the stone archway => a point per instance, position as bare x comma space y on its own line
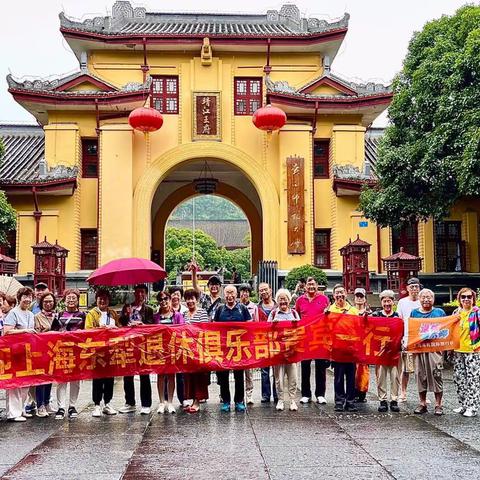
231, 193
154, 174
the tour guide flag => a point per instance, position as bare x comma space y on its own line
33, 359
433, 334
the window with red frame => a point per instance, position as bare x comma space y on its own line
89, 157
247, 95
89, 249
164, 94
405, 237
322, 248
321, 153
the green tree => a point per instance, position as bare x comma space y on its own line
305, 271
429, 156
8, 216
208, 207
179, 251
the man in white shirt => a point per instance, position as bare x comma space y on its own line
404, 308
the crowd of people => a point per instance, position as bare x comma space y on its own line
36, 311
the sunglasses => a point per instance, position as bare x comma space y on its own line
163, 299
466, 297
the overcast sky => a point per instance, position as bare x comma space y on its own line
376, 43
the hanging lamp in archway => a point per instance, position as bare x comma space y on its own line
206, 184
269, 118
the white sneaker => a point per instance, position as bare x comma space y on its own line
50, 409
460, 410
321, 400
249, 401
305, 400
469, 413
280, 405
293, 406
42, 412
161, 408
171, 408
145, 411
21, 418
186, 403
128, 409
97, 411
108, 410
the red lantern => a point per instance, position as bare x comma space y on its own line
269, 118
145, 119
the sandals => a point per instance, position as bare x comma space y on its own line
421, 409
438, 410
192, 409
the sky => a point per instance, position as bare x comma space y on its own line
373, 50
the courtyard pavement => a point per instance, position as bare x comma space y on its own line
313, 443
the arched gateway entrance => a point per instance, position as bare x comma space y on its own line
167, 181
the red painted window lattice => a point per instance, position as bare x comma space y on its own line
322, 248
247, 95
164, 94
321, 153
89, 157
89, 249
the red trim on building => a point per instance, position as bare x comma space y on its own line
82, 79
331, 103
331, 83
352, 185
215, 39
46, 186
76, 99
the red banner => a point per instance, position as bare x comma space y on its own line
33, 359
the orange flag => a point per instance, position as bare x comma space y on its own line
433, 334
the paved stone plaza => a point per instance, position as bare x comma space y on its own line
313, 443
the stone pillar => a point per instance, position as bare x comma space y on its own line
115, 193
296, 140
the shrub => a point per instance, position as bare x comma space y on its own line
304, 271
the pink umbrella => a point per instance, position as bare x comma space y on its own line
127, 271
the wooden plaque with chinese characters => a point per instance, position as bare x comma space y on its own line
296, 205
206, 116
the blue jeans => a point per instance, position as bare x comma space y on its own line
267, 386
42, 394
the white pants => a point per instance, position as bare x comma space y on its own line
62, 394
248, 384
279, 371
16, 398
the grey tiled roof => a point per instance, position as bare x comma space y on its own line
372, 139
45, 85
127, 20
361, 89
24, 152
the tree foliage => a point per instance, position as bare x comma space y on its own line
304, 272
8, 218
429, 156
179, 251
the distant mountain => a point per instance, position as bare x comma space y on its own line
208, 207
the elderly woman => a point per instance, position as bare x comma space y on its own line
70, 320
102, 316
283, 313
19, 320
43, 323
166, 316
466, 367
428, 366
196, 384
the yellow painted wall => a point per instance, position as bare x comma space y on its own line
132, 164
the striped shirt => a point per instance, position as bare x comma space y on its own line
200, 315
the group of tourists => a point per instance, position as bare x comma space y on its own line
36, 311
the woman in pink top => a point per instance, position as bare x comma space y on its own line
310, 305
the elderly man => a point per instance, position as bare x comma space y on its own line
344, 372
404, 308
231, 311
310, 305
387, 299
140, 313
428, 366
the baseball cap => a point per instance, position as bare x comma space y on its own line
413, 281
41, 286
214, 280
360, 291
